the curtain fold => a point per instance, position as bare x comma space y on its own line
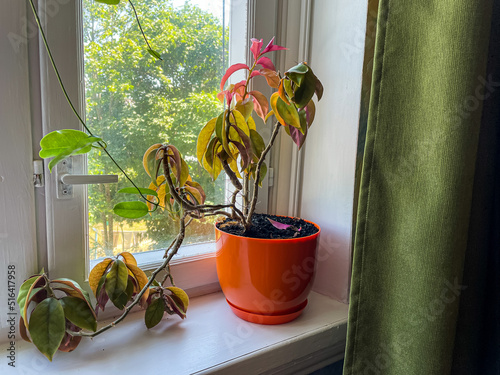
428, 217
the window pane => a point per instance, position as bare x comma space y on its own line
134, 101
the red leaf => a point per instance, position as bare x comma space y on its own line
266, 63
272, 47
231, 70
256, 47
260, 104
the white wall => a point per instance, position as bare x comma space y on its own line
17, 218
336, 52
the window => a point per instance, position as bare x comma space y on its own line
147, 95
134, 101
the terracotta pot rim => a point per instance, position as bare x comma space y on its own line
296, 239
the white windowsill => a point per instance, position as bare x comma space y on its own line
211, 340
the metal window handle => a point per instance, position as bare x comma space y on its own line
85, 179
66, 180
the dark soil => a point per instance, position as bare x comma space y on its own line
262, 228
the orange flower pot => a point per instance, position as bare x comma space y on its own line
266, 281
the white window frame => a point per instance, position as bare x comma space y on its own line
66, 240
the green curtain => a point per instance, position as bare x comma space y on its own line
425, 285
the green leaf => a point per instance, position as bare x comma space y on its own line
155, 54
63, 143
184, 173
154, 313
123, 298
116, 283
241, 122
219, 125
131, 210
288, 87
133, 190
258, 144
109, 2
24, 312
263, 172
297, 73
79, 313
47, 326
288, 112
245, 107
23, 292
305, 92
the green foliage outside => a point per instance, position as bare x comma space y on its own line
134, 100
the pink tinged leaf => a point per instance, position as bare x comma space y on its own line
260, 104
231, 70
266, 63
229, 97
175, 305
256, 47
239, 89
279, 225
318, 89
255, 73
102, 299
272, 47
271, 77
245, 154
297, 136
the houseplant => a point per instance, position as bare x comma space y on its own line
63, 312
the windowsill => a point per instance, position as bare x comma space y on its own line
149, 260
210, 340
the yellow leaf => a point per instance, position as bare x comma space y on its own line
128, 258
181, 294
273, 101
97, 272
251, 124
146, 157
204, 138
269, 114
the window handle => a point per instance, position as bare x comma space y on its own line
65, 179
86, 179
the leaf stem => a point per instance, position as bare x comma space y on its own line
177, 244
140, 26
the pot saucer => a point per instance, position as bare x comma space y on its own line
267, 319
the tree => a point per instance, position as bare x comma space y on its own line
134, 101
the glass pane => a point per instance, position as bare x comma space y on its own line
134, 101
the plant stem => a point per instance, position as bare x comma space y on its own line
244, 196
177, 244
140, 27
257, 175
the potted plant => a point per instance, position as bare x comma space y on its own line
265, 280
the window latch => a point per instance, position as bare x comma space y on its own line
38, 173
66, 180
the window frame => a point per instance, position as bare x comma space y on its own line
66, 240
